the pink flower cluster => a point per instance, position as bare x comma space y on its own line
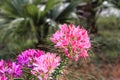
27, 57
45, 65
9, 70
3, 77
41, 64
73, 40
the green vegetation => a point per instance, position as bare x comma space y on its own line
108, 37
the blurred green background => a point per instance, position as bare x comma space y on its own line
29, 24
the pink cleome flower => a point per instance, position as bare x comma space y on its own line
27, 56
9, 69
3, 77
45, 65
15, 70
73, 40
3, 67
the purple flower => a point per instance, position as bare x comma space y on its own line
3, 67
3, 77
27, 56
9, 69
15, 70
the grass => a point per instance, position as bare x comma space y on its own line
109, 36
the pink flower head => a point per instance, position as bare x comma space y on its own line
83, 54
4, 67
9, 69
45, 65
73, 40
3, 77
15, 70
27, 56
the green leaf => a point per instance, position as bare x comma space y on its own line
56, 11
49, 5
32, 10
68, 9
64, 10
37, 2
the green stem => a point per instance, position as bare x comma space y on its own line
60, 68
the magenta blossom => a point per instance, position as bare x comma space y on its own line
73, 40
45, 65
3, 67
3, 77
15, 70
27, 56
9, 69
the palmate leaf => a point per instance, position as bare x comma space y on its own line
62, 12
68, 9
7, 29
56, 11
37, 2
14, 7
5, 16
3, 22
49, 5
17, 7
31, 11
17, 29
10, 19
